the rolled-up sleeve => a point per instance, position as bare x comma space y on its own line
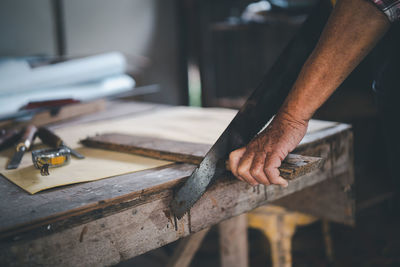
391, 8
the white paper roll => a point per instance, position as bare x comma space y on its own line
62, 74
83, 92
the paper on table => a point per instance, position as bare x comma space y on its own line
98, 164
196, 125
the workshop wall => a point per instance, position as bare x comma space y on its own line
145, 31
26, 28
233, 53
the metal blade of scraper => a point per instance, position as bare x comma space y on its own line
263, 103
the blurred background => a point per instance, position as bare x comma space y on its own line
200, 53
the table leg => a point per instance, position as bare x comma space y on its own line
326, 231
186, 249
279, 232
233, 242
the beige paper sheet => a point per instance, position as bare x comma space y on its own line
197, 125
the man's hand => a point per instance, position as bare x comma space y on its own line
258, 162
352, 31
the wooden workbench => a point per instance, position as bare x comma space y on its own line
111, 220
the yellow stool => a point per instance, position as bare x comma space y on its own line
279, 226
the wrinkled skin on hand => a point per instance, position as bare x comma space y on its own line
325, 69
258, 162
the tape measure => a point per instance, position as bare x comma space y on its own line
43, 159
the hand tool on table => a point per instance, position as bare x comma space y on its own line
23, 145
51, 139
43, 159
262, 104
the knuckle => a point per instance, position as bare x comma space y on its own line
233, 155
270, 156
242, 172
256, 172
268, 170
273, 176
271, 165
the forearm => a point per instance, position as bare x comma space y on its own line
353, 29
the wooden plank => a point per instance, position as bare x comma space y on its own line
186, 249
233, 242
158, 148
178, 151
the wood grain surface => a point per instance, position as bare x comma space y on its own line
105, 222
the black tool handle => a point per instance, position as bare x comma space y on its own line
27, 137
49, 138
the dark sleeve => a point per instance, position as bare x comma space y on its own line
391, 8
